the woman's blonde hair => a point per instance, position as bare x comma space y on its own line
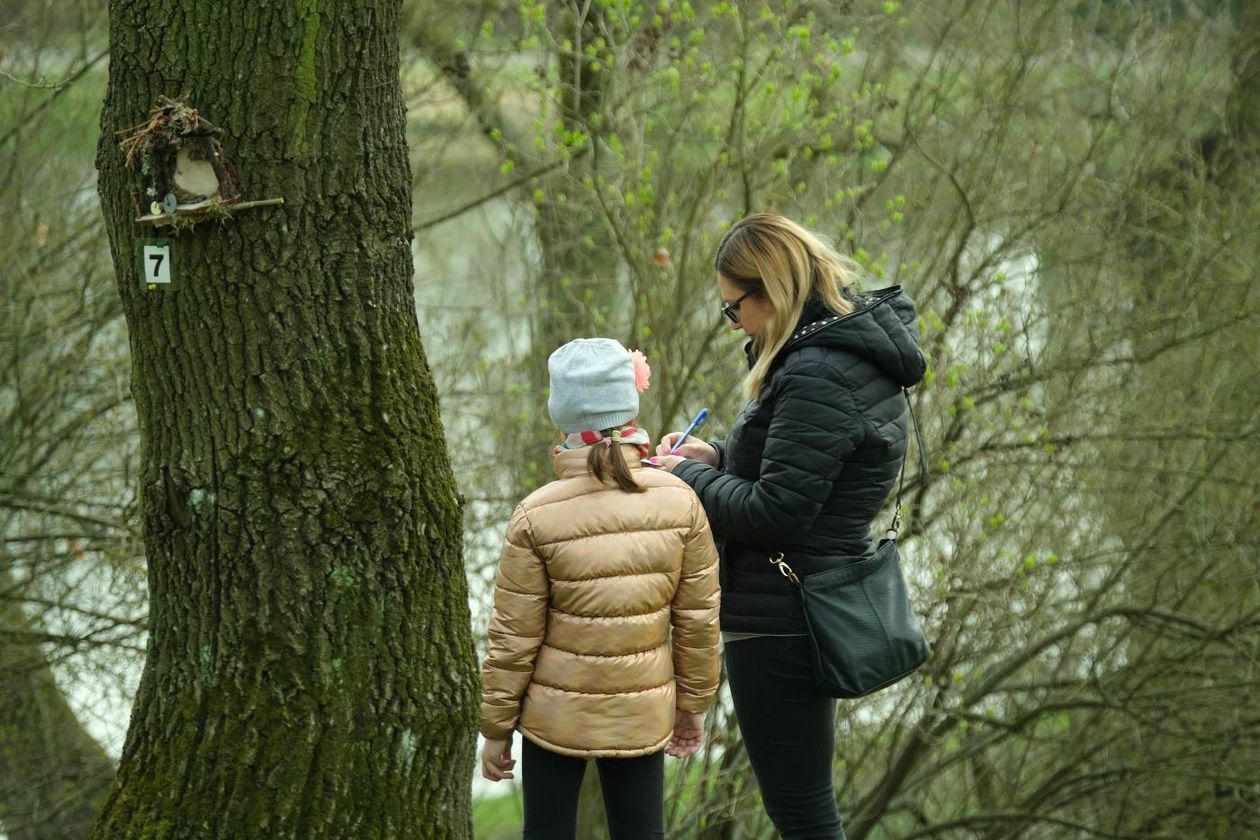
776, 258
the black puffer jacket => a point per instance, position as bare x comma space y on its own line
807, 466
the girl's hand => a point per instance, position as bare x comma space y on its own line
688, 734
694, 448
496, 760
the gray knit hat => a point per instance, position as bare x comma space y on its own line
592, 386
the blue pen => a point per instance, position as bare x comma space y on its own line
700, 418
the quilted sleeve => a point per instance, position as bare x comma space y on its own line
720, 446
814, 428
517, 627
694, 615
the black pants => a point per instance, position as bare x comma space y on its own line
789, 730
634, 790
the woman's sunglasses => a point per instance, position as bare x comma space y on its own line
731, 310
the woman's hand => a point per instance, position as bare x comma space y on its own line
666, 462
496, 760
694, 448
688, 734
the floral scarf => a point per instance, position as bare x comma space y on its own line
629, 433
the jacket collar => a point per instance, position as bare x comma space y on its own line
814, 312
571, 463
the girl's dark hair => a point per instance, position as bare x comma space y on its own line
609, 466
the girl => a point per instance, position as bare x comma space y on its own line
603, 641
806, 468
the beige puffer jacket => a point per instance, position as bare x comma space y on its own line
592, 581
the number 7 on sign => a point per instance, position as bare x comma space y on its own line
156, 260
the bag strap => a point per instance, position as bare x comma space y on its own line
777, 558
901, 480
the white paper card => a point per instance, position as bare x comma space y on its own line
157, 264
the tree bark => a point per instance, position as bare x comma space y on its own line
310, 670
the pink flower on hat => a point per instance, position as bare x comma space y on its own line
642, 372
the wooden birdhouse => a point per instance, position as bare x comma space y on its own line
185, 174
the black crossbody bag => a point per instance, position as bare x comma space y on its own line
863, 633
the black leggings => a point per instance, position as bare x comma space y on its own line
633, 794
789, 730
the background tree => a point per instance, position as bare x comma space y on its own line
994, 158
71, 593
309, 669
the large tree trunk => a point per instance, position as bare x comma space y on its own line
310, 669
53, 775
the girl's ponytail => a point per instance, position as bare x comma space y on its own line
607, 463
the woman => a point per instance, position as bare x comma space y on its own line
807, 466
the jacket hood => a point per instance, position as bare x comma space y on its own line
882, 328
